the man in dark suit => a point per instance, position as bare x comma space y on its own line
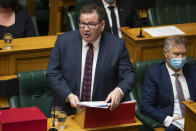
167, 84
89, 64
125, 12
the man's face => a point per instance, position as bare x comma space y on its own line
90, 27
176, 51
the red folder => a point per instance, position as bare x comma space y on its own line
99, 117
23, 119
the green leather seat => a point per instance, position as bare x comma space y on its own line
72, 16
34, 90
34, 19
167, 12
140, 69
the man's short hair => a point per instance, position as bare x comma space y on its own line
174, 40
89, 7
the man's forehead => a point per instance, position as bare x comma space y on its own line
90, 17
180, 45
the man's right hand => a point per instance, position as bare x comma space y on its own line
73, 99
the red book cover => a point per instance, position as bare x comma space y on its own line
23, 119
98, 117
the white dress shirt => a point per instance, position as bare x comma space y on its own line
84, 52
106, 5
177, 111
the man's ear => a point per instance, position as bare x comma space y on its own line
165, 53
102, 25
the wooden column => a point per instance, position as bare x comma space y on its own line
31, 7
55, 14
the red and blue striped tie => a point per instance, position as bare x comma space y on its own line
87, 78
179, 93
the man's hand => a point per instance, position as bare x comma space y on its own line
115, 96
73, 99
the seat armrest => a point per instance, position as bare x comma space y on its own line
148, 121
71, 21
14, 101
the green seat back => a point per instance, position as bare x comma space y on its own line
140, 69
72, 16
34, 90
34, 19
167, 12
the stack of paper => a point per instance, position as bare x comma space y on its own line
97, 104
164, 31
179, 124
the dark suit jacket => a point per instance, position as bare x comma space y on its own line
113, 68
127, 14
157, 93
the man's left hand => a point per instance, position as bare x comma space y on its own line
115, 96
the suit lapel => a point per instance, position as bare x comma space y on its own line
77, 58
168, 85
103, 51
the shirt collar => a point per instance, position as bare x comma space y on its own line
95, 43
106, 5
172, 72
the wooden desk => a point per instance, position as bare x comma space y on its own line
71, 125
27, 54
190, 116
55, 14
150, 48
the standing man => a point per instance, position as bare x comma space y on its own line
119, 13
167, 84
89, 64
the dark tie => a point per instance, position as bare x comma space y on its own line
87, 78
114, 23
179, 93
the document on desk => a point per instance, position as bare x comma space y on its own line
164, 31
97, 104
100, 104
179, 124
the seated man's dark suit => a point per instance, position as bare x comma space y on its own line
157, 93
113, 68
127, 14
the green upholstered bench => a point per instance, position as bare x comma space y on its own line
34, 90
167, 12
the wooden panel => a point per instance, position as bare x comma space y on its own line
4, 68
152, 53
26, 61
31, 7
71, 125
3, 102
190, 116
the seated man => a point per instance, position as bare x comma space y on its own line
89, 64
169, 83
119, 13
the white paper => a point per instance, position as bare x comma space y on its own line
97, 104
164, 31
179, 124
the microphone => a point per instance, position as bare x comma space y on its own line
53, 115
140, 33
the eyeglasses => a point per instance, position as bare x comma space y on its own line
89, 25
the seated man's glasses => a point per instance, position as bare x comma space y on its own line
89, 25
